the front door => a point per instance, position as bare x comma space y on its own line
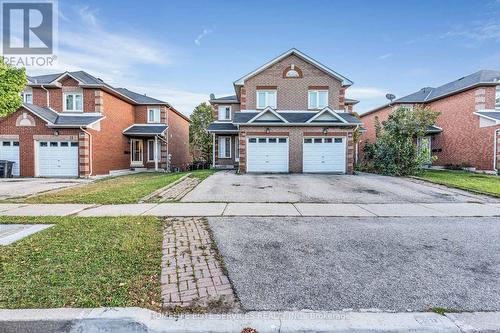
136, 152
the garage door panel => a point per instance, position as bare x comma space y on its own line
267, 154
9, 150
57, 159
325, 154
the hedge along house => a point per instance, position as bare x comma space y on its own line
467, 132
289, 115
72, 124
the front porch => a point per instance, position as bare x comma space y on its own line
148, 147
226, 151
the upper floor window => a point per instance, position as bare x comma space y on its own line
318, 99
153, 115
266, 98
224, 113
497, 98
73, 102
27, 97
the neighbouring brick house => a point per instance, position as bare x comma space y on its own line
289, 115
467, 132
73, 124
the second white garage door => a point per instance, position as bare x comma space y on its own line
9, 150
325, 154
266, 154
57, 158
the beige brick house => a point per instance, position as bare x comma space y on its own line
289, 115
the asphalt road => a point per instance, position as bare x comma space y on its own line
362, 263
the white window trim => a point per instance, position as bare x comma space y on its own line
24, 95
317, 91
223, 156
497, 95
154, 121
266, 91
155, 158
74, 94
223, 108
141, 161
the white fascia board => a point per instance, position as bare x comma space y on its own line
327, 109
487, 117
345, 81
268, 109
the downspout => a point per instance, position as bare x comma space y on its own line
495, 147
90, 150
47, 91
168, 139
213, 150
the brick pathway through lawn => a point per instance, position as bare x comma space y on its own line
191, 274
179, 190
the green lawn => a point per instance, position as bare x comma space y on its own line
116, 190
83, 262
482, 183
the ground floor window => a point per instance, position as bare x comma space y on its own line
137, 151
224, 147
151, 150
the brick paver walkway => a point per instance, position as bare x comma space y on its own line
191, 274
179, 190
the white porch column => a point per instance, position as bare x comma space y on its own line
156, 153
213, 150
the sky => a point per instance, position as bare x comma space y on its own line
181, 51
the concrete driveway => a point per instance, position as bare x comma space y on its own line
332, 263
20, 187
226, 186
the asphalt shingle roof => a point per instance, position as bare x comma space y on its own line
64, 120
145, 130
293, 117
490, 114
88, 79
222, 127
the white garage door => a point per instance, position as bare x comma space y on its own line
9, 150
57, 158
325, 154
266, 154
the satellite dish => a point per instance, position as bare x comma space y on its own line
390, 97
212, 96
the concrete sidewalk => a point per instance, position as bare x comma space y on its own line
145, 321
255, 209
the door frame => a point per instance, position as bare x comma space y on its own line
267, 137
344, 141
141, 149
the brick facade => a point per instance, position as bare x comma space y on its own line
102, 147
292, 93
295, 142
462, 141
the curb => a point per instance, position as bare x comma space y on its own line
147, 321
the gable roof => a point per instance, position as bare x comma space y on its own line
57, 120
280, 118
328, 111
345, 81
296, 117
429, 94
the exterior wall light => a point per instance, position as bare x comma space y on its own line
325, 131
268, 130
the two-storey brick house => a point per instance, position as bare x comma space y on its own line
467, 132
74, 124
289, 115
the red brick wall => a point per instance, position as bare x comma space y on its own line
292, 93
178, 140
109, 144
462, 140
26, 141
295, 144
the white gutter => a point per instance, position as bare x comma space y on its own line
495, 139
90, 150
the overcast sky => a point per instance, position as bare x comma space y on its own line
181, 51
